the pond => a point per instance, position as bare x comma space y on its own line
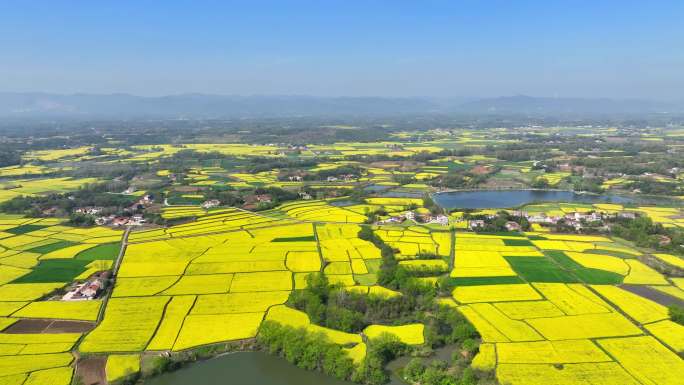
514, 198
344, 203
244, 368
377, 188
402, 194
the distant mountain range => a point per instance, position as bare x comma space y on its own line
124, 106
528, 105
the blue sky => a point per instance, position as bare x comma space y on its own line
460, 48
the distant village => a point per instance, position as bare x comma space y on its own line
136, 219
591, 221
439, 219
578, 221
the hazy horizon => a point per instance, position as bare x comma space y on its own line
436, 49
454, 98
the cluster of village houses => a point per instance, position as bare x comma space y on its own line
339, 178
253, 201
440, 219
136, 219
575, 219
88, 290
119, 220
344, 178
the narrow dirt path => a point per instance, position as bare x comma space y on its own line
115, 271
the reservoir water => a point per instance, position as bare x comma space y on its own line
244, 368
514, 198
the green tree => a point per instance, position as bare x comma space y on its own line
677, 314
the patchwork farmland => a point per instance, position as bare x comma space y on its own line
119, 262
544, 305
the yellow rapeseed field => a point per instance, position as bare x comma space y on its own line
288, 316
261, 281
298, 319
607, 373
599, 261
142, 286
151, 269
31, 344
646, 359
303, 261
121, 365
53, 376
170, 325
201, 330
357, 353
383, 292
641, 274
201, 284
514, 330
495, 293
335, 336
67, 252
477, 263
26, 291
238, 302
486, 358
128, 325
573, 299
671, 260
409, 334
550, 352
334, 268
20, 365
70, 310
671, 333
637, 307
529, 309
584, 326
7, 308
